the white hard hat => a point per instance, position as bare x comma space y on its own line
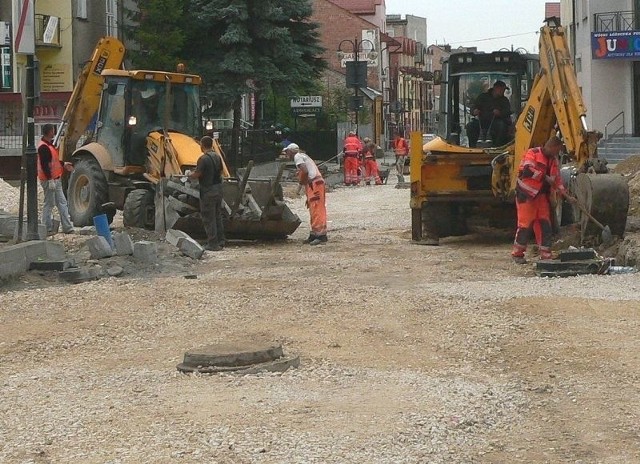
292, 147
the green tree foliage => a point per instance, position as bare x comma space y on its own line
254, 46
159, 33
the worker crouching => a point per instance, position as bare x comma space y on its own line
310, 178
371, 173
538, 175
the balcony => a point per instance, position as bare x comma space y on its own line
616, 21
47, 31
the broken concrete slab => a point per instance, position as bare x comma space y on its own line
145, 251
174, 235
99, 247
190, 247
16, 259
52, 265
123, 243
78, 275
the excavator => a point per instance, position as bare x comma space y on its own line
452, 184
132, 134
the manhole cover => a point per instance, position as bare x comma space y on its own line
246, 358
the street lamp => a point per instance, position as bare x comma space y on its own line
356, 72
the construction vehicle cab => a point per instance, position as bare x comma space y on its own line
452, 183
466, 75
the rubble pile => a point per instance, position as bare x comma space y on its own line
9, 197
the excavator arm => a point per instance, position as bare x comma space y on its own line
85, 98
555, 105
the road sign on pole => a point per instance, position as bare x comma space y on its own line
24, 34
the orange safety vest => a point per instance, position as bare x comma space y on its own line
352, 145
400, 147
532, 171
55, 167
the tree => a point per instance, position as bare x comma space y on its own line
159, 33
253, 46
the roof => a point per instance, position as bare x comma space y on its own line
359, 6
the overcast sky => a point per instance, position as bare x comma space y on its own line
488, 25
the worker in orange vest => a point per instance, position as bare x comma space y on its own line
538, 175
352, 147
50, 171
401, 149
370, 163
310, 178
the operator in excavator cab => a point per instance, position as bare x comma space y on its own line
492, 111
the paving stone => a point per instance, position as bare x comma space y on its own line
115, 271
123, 243
99, 247
174, 235
86, 230
145, 251
190, 247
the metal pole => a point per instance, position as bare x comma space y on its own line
31, 156
356, 99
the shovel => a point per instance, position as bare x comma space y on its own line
607, 236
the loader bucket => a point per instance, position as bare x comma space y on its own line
253, 209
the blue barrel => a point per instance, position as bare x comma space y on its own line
101, 224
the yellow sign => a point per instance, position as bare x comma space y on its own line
55, 78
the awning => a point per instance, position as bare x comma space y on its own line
370, 93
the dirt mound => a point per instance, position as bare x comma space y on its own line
630, 166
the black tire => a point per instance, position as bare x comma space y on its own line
139, 209
88, 191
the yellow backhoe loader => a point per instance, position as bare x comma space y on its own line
451, 183
132, 134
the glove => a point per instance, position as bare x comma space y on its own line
188, 172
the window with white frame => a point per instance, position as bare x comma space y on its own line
112, 18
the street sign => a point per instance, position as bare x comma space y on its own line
308, 101
309, 110
24, 31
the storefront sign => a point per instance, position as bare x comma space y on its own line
612, 45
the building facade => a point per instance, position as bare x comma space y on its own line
605, 44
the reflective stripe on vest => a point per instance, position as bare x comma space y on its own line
55, 168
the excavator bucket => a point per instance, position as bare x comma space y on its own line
252, 208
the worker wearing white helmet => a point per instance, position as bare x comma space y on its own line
309, 176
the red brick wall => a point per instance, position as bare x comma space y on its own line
337, 24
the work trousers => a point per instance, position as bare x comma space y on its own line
315, 191
351, 170
371, 171
400, 164
534, 219
211, 213
55, 198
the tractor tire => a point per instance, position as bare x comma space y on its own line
87, 192
139, 209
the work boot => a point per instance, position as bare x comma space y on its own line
323, 238
317, 241
519, 259
309, 239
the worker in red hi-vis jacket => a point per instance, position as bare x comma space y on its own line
538, 175
352, 147
370, 164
